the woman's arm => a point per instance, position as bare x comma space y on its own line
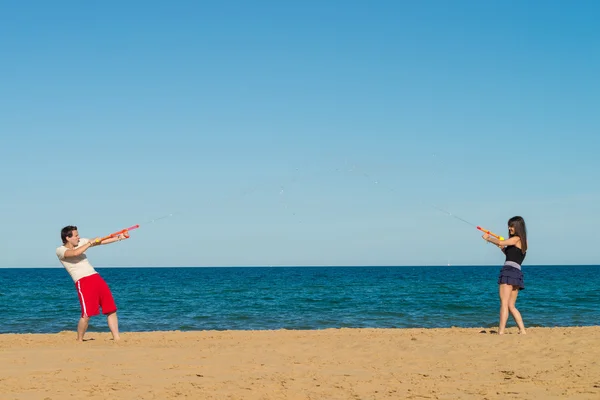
508, 242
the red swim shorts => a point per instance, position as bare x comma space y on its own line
94, 293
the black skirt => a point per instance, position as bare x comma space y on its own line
512, 276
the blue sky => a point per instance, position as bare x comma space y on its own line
305, 133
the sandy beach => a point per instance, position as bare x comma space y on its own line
452, 363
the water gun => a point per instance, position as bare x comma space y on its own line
124, 232
490, 233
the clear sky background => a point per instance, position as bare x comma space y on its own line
299, 133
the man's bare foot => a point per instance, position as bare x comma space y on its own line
522, 332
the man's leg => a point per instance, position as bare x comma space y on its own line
82, 327
107, 302
113, 325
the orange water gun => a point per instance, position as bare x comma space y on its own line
490, 233
124, 232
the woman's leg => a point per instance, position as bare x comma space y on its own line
505, 292
513, 310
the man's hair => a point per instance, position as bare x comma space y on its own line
67, 232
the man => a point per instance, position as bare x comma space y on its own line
92, 290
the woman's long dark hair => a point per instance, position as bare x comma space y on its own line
520, 230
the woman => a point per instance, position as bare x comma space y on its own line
510, 280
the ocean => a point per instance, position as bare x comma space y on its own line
44, 300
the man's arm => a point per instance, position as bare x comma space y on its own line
80, 250
113, 239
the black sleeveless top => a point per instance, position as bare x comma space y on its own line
514, 254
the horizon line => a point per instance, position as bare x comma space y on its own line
304, 266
